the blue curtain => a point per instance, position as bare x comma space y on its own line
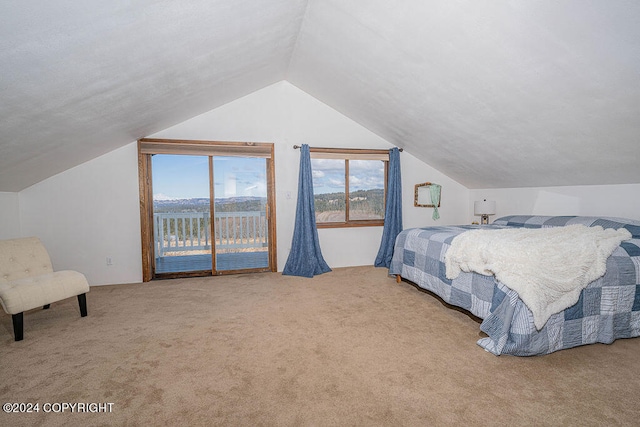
393, 211
305, 258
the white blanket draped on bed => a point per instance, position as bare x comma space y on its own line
547, 267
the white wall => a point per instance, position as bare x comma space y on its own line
9, 215
89, 213
588, 200
453, 199
285, 115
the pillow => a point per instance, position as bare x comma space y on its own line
539, 221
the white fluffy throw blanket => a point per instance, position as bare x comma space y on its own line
547, 267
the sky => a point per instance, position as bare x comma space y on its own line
187, 177
328, 175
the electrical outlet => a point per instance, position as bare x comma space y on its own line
109, 261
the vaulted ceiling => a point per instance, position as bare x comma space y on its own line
491, 93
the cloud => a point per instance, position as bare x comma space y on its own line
160, 196
366, 182
336, 183
328, 175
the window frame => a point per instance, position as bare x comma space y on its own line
347, 154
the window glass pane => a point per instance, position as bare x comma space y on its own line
366, 189
329, 190
182, 236
240, 222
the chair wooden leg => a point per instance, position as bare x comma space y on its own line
82, 302
18, 326
46, 307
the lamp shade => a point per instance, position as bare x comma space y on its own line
484, 208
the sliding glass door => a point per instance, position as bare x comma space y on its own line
206, 214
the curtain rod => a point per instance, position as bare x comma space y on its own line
324, 148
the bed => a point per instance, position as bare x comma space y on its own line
608, 308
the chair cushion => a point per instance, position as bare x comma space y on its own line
30, 292
23, 257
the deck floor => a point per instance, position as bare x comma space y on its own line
230, 261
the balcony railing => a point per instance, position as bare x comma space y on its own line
190, 232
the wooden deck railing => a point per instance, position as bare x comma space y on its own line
191, 231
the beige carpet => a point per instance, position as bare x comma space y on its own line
350, 347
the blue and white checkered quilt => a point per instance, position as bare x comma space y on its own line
608, 309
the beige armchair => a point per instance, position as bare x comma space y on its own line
27, 281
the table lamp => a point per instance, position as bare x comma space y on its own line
484, 209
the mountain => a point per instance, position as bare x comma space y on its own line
201, 204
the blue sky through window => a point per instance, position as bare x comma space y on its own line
328, 175
187, 177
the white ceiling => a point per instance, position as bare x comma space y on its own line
492, 93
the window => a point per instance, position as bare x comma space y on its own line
349, 186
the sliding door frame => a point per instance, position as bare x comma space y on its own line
149, 146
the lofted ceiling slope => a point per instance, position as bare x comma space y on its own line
491, 93
79, 79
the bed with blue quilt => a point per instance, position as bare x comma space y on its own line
608, 308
